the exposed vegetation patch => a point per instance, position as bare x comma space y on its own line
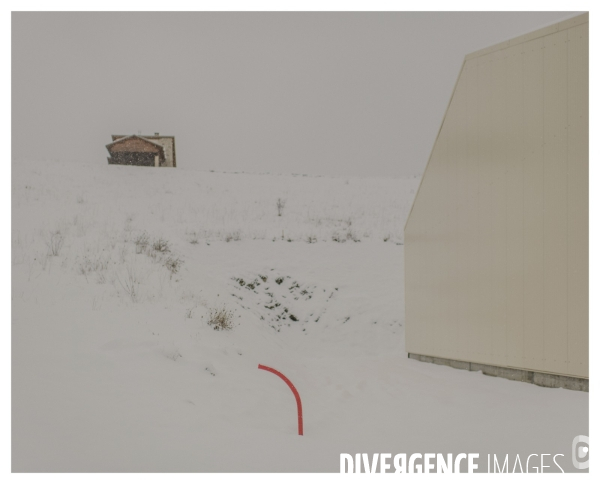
345, 236
161, 246
280, 206
221, 319
136, 272
234, 236
141, 243
281, 300
173, 264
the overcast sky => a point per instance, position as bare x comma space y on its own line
350, 94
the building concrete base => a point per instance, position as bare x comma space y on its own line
535, 377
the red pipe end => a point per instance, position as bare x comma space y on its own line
294, 391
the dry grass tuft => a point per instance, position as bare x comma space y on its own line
221, 319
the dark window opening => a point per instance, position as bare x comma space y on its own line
133, 158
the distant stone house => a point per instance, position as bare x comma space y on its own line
141, 150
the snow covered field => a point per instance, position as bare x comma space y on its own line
118, 270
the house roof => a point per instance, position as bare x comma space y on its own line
134, 136
167, 143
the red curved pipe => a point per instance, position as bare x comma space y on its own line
294, 391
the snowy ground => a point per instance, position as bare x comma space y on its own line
117, 270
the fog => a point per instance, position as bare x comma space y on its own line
347, 94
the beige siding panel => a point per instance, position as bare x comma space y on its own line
448, 243
439, 262
578, 196
533, 205
460, 187
496, 245
485, 234
424, 279
555, 203
498, 208
515, 190
472, 306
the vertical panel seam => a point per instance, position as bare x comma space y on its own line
523, 158
478, 314
505, 210
567, 211
543, 203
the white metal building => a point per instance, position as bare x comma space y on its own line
496, 244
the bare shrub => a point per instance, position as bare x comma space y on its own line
344, 236
280, 206
90, 264
141, 243
161, 245
173, 264
55, 243
221, 319
150, 252
351, 235
235, 236
311, 239
130, 284
336, 237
